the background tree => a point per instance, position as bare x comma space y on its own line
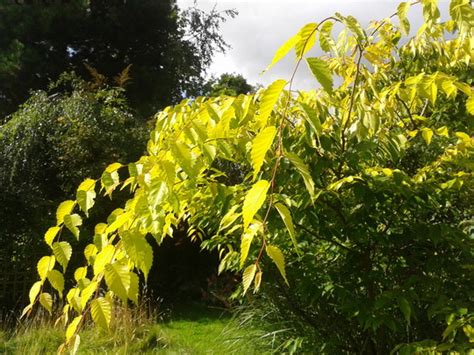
227, 84
168, 50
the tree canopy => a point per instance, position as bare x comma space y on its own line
168, 50
352, 214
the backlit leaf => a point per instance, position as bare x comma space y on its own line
303, 170
321, 71
50, 234
101, 311
87, 293
72, 327
248, 276
117, 277
306, 40
286, 217
402, 12
56, 279
85, 195
283, 51
277, 256
260, 146
64, 209
34, 291
138, 249
246, 241
62, 252
103, 257
269, 99
45, 264
72, 221
46, 301
254, 200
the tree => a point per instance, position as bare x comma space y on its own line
355, 203
227, 84
168, 50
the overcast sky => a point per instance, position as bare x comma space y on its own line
263, 25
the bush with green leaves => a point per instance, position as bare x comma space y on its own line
353, 216
46, 149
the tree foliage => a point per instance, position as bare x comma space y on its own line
168, 50
227, 84
357, 194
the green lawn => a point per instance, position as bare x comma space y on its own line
191, 330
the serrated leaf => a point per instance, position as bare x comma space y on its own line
257, 282
64, 209
72, 327
117, 277
101, 311
138, 249
246, 241
260, 146
87, 293
248, 276
306, 39
80, 273
50, 234
427, 134
62, 252
102, 258
321, 71
45, 264
402, 12
325, 40
277, 256
312, 118
470, 105
34, 291
182, 153
286, 217
254, 200
72, 221
85, 195
229, 218
56, 279
46, 301
90, 252
283, 51
119, 221
303, 170
269, 99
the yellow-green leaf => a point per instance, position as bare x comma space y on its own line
62, 252
101, 311
427, 134
321, 71
470, 105
246, 241
72, 327
248, 276
73, 299
50, 234
56, 279
254, 200
76, 341
34, 291
306, 39
286, 217
117, 277
72, 221
402, 12
80, 273
257, 282
303, 170
90, 252
118, 222
45, 264
283, 51
87, 293
325, 40
268, 100
277, 256
85, 195
46, 301
260, 146
102, 258
64, 209
138, 249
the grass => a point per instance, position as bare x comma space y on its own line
191, 329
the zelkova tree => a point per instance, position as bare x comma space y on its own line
358, 194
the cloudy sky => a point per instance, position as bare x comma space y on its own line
263, 25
